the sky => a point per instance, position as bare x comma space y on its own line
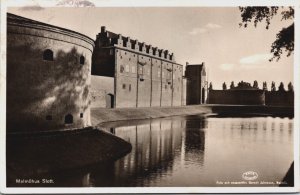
195, 34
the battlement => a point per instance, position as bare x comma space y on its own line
107, 38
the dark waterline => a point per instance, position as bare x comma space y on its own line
192, 151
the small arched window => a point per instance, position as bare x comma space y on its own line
82, 60
68, 119
48, 55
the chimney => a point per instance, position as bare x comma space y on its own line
103, 29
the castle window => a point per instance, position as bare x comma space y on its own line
82, 60
121, 68
129, 87
127, 68
140, 70
132, 69
48, 55
81, 115
49, 117
68, 119
124, 86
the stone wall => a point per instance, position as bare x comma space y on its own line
280, 98
48, 77
101, 89
237, 97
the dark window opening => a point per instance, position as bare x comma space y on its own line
154, 52
48, 55
124, 86
122, 68
81, 115
68, 119
129, 87
147, 49
49, 117
82, 60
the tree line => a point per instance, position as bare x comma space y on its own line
246, 85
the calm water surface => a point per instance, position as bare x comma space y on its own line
193, 151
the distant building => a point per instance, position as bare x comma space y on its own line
143, 76
196, 84
245, 94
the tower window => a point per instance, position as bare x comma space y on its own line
124, 86
68, 119
129, 87
82, 60
81, 115
48, 55
49, 117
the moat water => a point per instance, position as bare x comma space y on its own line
194, 151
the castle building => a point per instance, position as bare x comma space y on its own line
48, 76
196, 84
143, 76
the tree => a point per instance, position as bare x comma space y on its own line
273, 88
232, 85
210, 86
255, 84
224, 86
265, 86
281, 87
285, 37
290, 87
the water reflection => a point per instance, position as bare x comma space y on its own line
193, 151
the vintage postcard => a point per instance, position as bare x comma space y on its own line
149, 97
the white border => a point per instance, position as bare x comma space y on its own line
152, 3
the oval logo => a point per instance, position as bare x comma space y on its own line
250, 175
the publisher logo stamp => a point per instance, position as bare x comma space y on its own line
250, 175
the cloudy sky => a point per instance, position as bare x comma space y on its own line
195, 35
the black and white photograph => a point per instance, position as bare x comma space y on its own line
127, 97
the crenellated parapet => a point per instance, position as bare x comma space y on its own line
107, 39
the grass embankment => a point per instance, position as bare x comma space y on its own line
35, 154
101, 115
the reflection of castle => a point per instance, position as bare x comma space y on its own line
156, 144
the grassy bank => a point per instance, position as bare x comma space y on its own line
31, 155
101, 115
